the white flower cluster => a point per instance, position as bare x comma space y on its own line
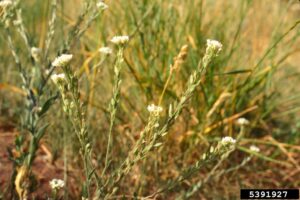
62, 60
57, 77
101, 5
226, 144
254, 148
154, 109
228, 141
5, 3
105, 50
242, 121
120, 40
214, 45
56, 184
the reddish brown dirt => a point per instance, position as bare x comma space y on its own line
6, 140
43, 169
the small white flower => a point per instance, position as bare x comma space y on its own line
214, 45
35, 50
226, 144
36, 53
105, 50
5, 3
101, 5
57, 77
242, 121
254, 148
154, 109
57, 184
120, 40
228, 140
47, 71
62, 60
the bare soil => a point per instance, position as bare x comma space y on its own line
43, 169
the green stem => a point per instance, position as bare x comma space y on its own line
114, 104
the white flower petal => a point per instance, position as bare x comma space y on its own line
62, 60
56, 184
254, 148
228, 140
57, 77
242, 121
154, 109
214, 46
105, 50
101, 5
120, 40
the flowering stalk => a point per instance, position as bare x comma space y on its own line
22, 30
197, 186
56, 185
222, 150
142, 147
213, 173
36, 103
120, 41
68, 85
105, 51
76, 28
100, 7
212, 50
77, 31
51, 30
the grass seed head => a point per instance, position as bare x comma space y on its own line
181, 57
